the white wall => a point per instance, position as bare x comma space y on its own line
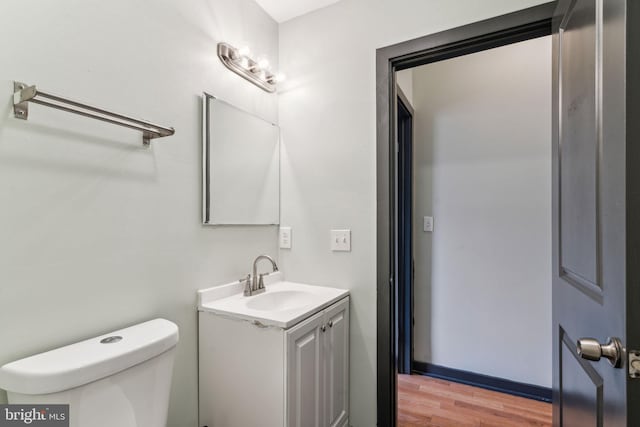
404, 80
482, 162
96, 232
327, 114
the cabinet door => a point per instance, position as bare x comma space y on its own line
305, 378
336, 338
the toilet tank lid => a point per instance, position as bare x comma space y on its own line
90, 360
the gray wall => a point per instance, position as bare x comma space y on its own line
483, 171
328, 116
98, 233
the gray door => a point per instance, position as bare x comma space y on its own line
595, 193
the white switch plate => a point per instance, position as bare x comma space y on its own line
428, 223
341, 240
285, 237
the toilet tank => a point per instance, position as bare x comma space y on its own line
119, 379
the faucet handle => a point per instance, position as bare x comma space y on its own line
247, 284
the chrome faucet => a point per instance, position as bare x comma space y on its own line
255, 284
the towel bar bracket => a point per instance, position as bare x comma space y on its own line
146, 138
20, 105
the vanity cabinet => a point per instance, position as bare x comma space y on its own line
252, 375
318, 369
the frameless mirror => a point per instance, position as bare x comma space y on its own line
241, 166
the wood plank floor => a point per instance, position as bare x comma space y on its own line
424, 401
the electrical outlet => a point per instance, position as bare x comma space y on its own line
285, 237
341, 240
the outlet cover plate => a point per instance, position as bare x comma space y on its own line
428, 223
285, 238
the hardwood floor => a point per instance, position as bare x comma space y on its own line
424, 401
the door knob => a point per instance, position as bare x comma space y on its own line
591, 349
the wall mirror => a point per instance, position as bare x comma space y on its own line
241, 166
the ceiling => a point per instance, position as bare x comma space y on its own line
283, 10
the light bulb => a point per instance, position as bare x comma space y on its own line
244, 62
280, 77
263, 64
244, 51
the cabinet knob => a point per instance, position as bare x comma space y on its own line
323, 328
331, 323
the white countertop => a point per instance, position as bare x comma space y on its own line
282, 305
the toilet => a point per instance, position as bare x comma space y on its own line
118, 379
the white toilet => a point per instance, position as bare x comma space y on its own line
120, 379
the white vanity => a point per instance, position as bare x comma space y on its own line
279, 358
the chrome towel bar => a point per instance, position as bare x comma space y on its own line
23, 94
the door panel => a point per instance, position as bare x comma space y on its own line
580, 145
337, 364
589, 209
581, 387
305, 374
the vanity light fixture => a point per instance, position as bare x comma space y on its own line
257, 72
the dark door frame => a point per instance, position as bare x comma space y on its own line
404, 291
499, 31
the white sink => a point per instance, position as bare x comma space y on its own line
279, 300
282, 305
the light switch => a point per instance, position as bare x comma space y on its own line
428, 223
341, 240
285, 237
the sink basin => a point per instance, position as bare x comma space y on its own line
280, 300
282, 305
